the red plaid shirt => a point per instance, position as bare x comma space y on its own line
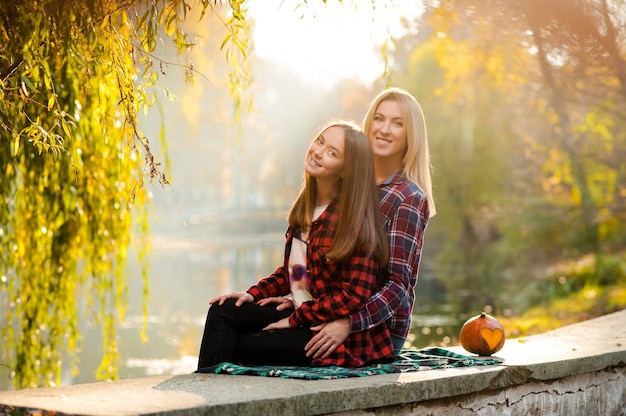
338, 288
404, 209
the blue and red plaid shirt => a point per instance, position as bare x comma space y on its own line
405, 213
338, 288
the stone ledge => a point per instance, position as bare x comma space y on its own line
594, 346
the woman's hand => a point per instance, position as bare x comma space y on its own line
329, 336
242, 297
282, 324
281, 303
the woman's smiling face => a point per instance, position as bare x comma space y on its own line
387, 133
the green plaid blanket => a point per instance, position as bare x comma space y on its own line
409, 360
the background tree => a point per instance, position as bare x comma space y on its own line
574, 80
73, 77
525, 108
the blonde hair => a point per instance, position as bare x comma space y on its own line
359, 226
416, 159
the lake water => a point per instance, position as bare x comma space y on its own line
185, 273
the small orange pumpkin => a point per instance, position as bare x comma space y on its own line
482, 335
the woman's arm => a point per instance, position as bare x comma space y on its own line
406, 233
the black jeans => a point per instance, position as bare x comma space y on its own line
235, 334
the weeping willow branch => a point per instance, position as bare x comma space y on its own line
75, 75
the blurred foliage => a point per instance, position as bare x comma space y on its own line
74, 76
525, 106
575, 277
571, 292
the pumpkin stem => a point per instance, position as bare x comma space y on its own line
483, 314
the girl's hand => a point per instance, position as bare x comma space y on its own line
281, 303
282, 324
242, 297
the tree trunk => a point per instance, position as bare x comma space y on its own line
587, 207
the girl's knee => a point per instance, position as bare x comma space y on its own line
224, 309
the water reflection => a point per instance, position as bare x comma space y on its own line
185, 273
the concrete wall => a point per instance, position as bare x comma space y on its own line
575, 370
600, 393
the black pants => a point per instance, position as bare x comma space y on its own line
234, 334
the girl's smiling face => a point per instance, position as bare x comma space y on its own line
325, 156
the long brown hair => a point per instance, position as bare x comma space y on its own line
416, 161
359, 226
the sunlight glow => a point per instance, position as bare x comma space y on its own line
327, 43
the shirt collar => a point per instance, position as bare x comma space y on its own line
397, 176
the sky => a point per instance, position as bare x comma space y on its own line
327, 43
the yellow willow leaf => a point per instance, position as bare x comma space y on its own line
170, 29
229, 35
51, 101
66, 128
16, 144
